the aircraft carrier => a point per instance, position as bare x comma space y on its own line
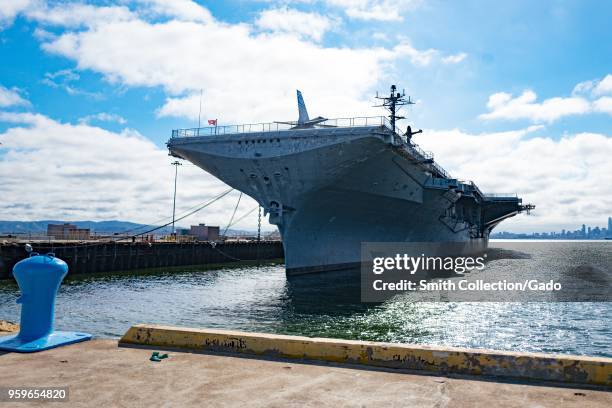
331, 184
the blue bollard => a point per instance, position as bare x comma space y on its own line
39, 278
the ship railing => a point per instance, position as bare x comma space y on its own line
470, 186
441, 171
416, 150
501, 195
231, 129
443, 182
474, 188
427, 158
360, 121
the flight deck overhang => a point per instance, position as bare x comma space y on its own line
439, 177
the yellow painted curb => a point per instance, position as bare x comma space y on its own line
443, 360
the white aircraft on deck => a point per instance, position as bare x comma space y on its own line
304, 122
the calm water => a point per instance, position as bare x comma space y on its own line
262, 299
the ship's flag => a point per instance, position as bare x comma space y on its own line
212, 122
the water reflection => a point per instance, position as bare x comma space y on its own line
337, 293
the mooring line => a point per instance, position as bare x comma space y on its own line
217, 198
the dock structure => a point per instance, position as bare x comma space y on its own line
101, 257
98, 373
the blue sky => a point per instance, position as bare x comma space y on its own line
133, 69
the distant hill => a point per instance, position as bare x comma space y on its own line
100, 227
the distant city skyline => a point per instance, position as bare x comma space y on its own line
583, 232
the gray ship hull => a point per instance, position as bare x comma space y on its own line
328, 235
329, 190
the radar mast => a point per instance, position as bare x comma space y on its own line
392, 104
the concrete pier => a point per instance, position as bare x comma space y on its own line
100, 374
123, 256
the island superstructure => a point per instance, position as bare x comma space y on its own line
331, 184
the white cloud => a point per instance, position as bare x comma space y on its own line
603, 104
249, 74
81, 172
569, 179
604, 86
381, 10
503, 105
184, 10
66, 75
75, 15
18, 117
379, 35
80, 14
189, 107
596, 87
417, 57
43, 35
454, 59
583, 87
302, 24
9, 10
64, 78
11, 97
246, 75
103, 117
